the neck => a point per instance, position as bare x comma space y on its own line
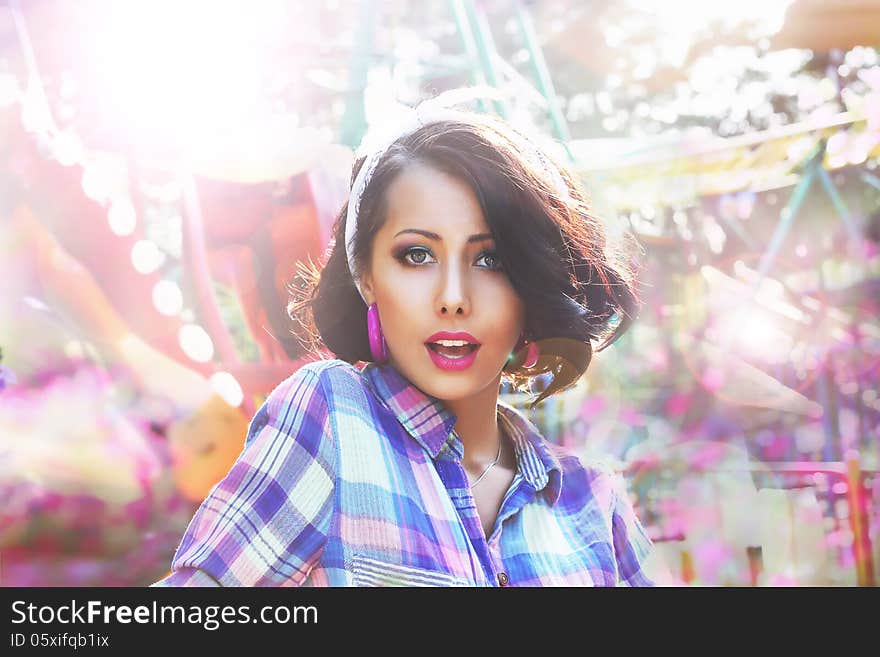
477, 425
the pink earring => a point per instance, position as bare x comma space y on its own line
378, 348
532, 355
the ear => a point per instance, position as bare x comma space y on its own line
367, 288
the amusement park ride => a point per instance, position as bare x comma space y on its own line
242, 215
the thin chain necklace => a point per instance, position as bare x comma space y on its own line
489, 467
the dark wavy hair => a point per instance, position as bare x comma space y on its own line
577, 286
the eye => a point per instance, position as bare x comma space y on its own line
419, 255
493, 258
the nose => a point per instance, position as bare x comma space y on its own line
453, 298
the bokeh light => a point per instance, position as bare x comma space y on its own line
227, 387
167, 298
196, 343
168, 167
146, 257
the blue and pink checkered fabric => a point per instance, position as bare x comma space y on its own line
353, 477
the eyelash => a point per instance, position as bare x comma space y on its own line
403, 253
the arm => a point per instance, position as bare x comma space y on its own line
266, 522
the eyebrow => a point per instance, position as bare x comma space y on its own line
480, 237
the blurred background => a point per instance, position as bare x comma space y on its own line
165, 165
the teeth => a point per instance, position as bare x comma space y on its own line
453, 343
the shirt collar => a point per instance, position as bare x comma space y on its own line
430, 423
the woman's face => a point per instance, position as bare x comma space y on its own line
453, 282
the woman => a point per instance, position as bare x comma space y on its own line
463, 255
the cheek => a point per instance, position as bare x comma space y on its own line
396, 315
401, 298
502, 313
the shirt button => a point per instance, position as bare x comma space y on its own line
503, 579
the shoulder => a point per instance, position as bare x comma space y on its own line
332, 387
585, 481
330, 367
589, 469
311, 390
323, 377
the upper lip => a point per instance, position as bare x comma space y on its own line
453, 335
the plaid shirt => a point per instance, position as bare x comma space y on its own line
353, 477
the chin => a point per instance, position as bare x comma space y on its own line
453, 387
450, 392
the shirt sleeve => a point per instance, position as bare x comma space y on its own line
267, 521
631, 543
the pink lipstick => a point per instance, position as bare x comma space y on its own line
452, 350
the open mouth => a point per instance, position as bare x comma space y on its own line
452, 352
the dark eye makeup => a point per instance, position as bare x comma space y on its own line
405, 254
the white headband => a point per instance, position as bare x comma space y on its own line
379, 139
